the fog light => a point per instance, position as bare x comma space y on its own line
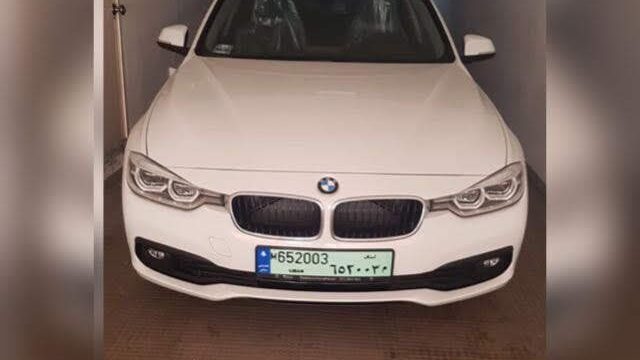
156, 254
491, 262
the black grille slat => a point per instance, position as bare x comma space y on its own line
277, 216
375, 219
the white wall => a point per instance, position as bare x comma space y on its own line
516, 78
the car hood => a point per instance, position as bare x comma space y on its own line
325, 117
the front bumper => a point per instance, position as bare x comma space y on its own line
221, 292
197, 270
209, 234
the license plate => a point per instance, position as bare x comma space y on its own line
323, 264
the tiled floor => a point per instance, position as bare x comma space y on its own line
144, 321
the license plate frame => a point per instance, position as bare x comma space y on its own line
354, 276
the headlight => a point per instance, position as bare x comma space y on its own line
496, 192
151, 180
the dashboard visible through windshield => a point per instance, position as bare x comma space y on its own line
402, 31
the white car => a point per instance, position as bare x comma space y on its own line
324, 151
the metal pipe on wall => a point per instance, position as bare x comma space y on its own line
118, 11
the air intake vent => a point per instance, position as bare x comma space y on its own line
377, 219
277, 216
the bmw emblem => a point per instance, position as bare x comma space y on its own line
328, 185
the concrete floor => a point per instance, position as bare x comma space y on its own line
144, 321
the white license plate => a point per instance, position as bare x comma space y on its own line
323, 264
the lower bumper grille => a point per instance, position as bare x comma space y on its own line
377, 218
277, 216
194, 269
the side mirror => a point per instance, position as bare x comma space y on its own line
174, 38
477, 48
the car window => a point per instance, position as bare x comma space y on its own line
334, 30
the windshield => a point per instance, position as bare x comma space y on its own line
332, 30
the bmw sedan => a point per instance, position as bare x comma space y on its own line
324, 151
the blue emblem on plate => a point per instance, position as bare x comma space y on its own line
328, 185
263, 260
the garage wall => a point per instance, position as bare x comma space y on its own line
113, 134
146, 64
516, 78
